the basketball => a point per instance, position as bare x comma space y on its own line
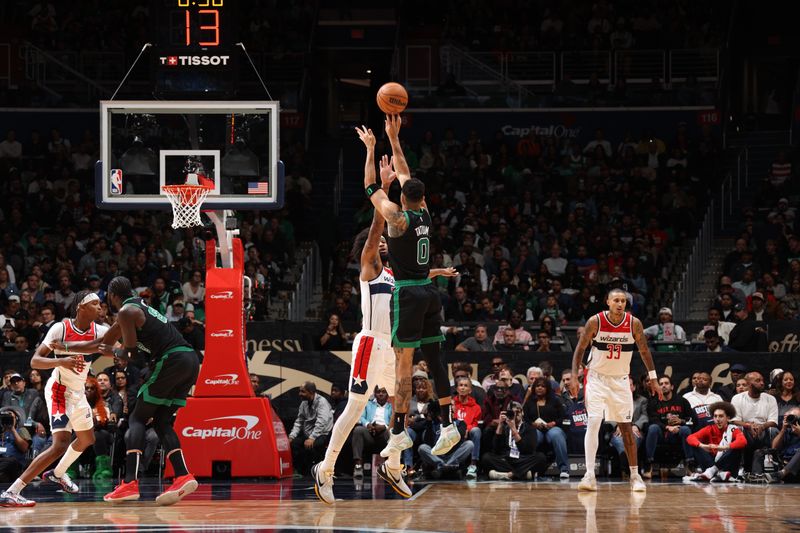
392, 98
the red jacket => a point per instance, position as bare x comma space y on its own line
711, 434
469, 412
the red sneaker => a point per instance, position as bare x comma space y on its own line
123, 492
181, 487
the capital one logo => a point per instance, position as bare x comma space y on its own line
228, 333
223, 379
224, 295
236, 431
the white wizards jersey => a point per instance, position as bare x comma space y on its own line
612, 346
65, 331
376, 296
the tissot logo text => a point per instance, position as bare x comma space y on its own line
174, 61
234, 427
224, 295
222, 333
223, 379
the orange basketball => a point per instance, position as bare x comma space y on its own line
392, 98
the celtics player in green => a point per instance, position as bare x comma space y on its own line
416, 307
143, 329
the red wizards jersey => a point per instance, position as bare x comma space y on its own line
612, 346
65, 331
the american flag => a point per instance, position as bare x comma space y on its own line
257, 187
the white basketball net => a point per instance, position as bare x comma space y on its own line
186, 201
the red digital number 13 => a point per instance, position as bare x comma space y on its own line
614, 351
213, 27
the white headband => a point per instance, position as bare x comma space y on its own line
89, 298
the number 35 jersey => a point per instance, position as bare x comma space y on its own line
612, 346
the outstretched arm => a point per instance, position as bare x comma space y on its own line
647, 357
101, 344
371, 264
448, 272
589, 331
393, 123
388, 209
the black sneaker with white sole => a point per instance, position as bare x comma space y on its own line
395, 480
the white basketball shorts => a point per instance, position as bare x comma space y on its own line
68, 408
372, 363
608, 397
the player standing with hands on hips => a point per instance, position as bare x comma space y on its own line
416, 307
612, 335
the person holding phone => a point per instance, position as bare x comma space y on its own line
545, 413
513, 454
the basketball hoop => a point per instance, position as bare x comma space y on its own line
186, 201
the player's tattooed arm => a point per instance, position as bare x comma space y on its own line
392, 126
647, 357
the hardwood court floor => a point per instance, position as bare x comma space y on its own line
446, 506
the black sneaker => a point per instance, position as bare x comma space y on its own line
395, 480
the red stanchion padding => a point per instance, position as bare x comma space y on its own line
224, 371
244, 431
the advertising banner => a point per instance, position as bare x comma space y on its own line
284, 372
578, 124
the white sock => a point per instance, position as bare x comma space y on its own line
393, 461
591, 441
634, 471
17, 486
70, 456
342, 428
711, 471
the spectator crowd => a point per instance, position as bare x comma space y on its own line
531, 427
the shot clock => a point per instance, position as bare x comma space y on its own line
195, 53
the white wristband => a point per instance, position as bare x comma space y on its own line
652, 374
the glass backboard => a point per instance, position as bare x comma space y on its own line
232, 146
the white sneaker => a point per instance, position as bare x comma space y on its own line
708, 474
448, 438
694, 477
723, 476
589, 482
12, 499
472, 472
66, 483
397, 443
394, 477
323, 484
499, 476
637, 483
564, 475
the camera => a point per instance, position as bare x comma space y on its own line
792, 420
510, 414
7, 420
